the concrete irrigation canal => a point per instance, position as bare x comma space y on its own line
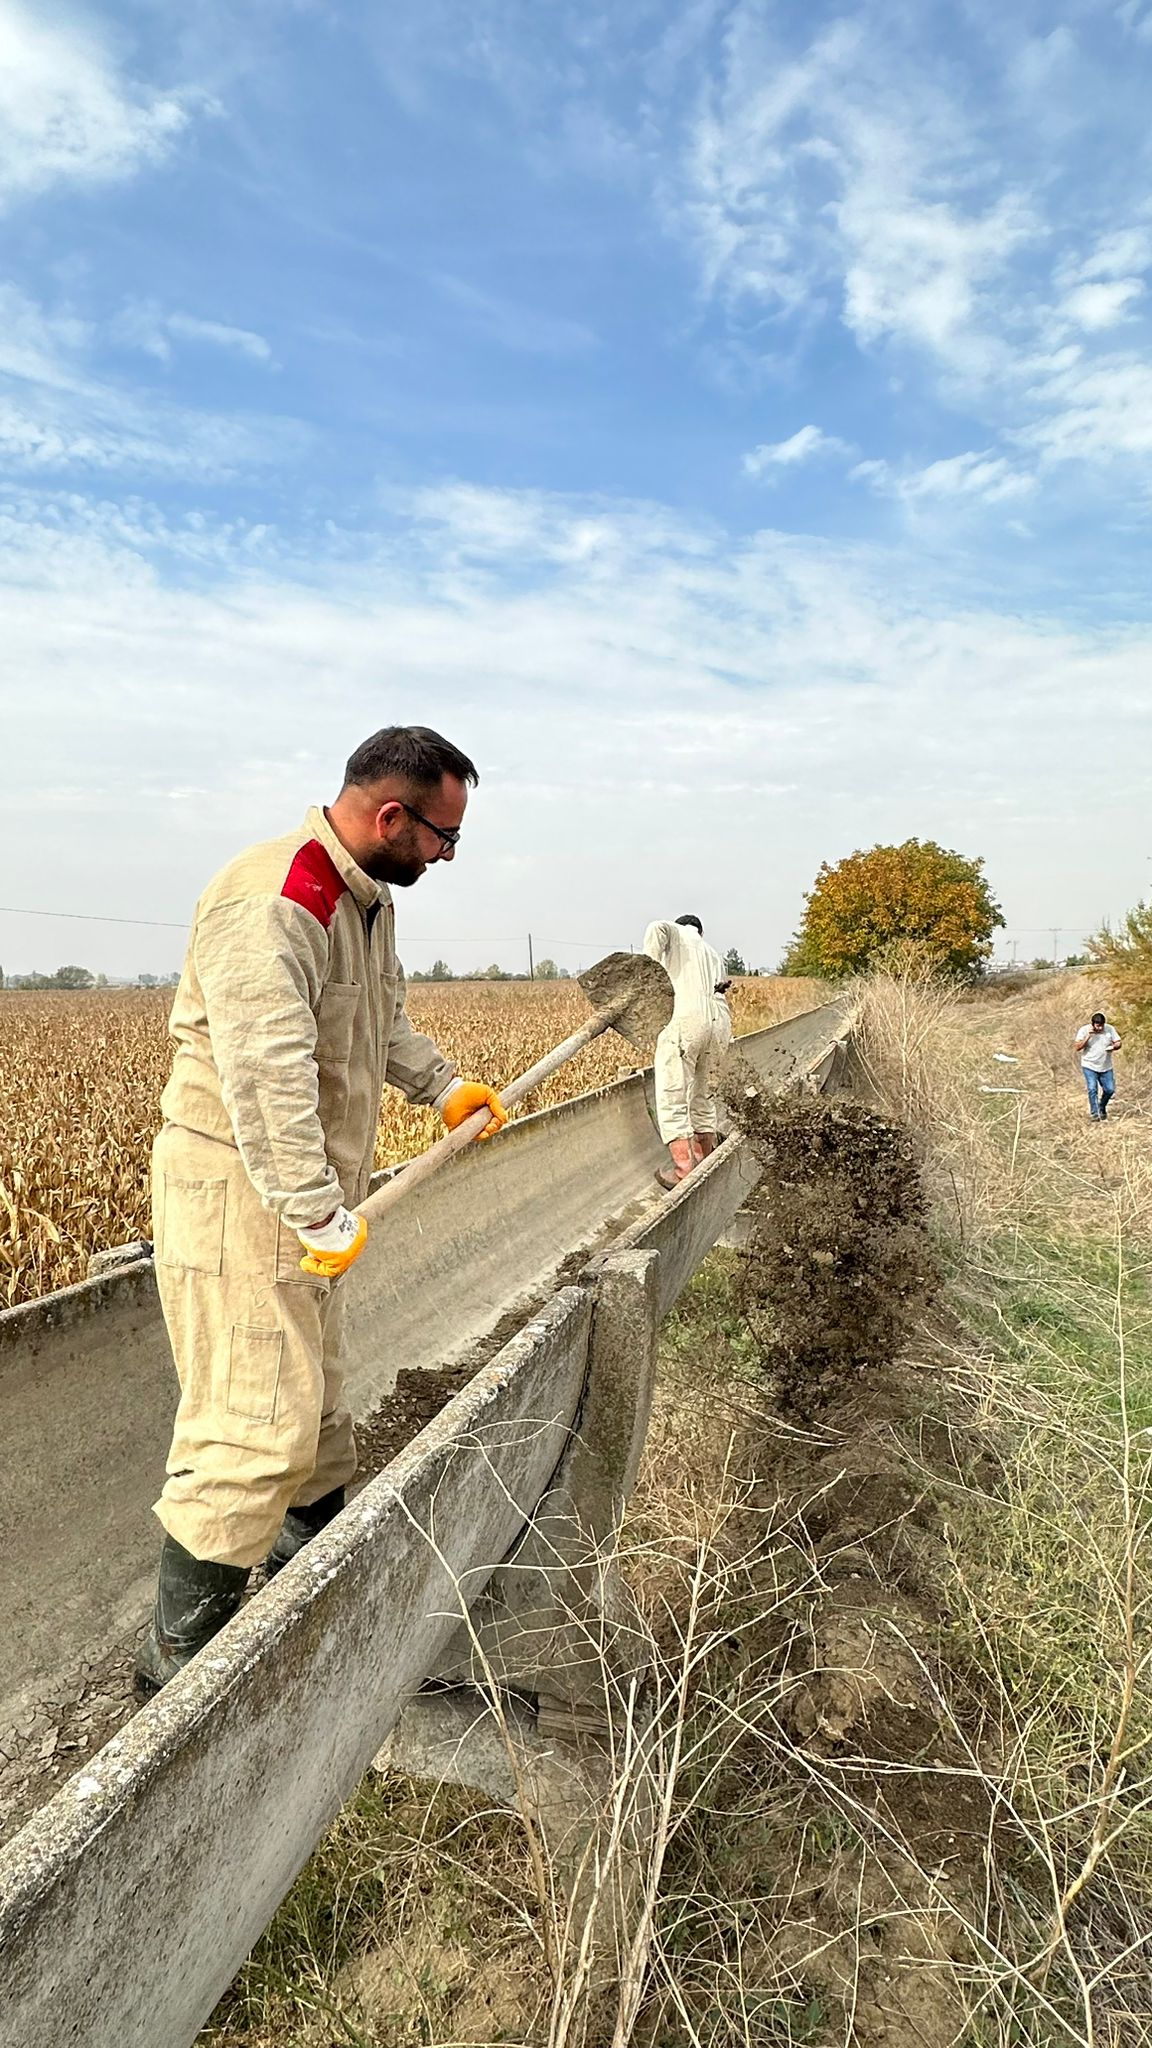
532, 1275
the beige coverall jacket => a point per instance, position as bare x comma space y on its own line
691, 1048
288, 1021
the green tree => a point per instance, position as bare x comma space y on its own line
1126, 958
72, 977
918, 899
734, 962
547, 970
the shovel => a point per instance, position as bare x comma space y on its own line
629, 993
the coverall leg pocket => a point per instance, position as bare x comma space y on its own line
253, 1384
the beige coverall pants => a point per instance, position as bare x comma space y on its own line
262, 1425
689, 1053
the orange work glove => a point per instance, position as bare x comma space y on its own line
468, 1096
330, 1248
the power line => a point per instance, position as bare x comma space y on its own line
90, 917
170, 925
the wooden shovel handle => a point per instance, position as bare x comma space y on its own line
418, 1170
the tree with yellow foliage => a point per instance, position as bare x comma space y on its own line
919, 900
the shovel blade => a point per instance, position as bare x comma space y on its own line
636, 990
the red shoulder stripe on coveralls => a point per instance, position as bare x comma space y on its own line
314, 882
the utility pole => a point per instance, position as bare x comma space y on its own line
1015, 943
531, 961
1055, 947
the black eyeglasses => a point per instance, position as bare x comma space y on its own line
448, 835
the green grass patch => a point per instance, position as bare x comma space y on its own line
1061, 1306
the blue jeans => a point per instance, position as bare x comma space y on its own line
1101, 1089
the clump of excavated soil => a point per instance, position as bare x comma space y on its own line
839, 1262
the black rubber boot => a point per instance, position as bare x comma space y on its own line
194, 1598
300, 1526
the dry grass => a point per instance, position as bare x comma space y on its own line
81, 1075
901, 1744
1047, 1374
426, 1916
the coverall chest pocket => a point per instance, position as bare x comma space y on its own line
336, 1027
191, 1233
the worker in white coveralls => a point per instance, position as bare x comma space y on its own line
288, 1021
691, 1048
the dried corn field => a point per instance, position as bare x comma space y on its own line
81, 1075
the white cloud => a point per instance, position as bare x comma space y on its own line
36, 346
916, 271
67, 113
779, 700
1094, 306
850, 176
1136, 18
983, 476
1117, 253
144, 325
57, 415
465, 522
1091, 408
802, 446
846, 168
216, 334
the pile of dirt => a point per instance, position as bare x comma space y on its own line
839, 1262
882, 1877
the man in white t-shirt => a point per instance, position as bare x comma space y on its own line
1096, 1042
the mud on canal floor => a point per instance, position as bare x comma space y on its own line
54, 1736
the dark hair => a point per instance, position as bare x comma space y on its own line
407, 753
692, 920
1097, 1016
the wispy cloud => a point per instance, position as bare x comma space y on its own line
68, 113
525, 530
524, 329
1101, 305
145, 325
1090, 408
57, 414
803, 446
855, 176
840, 166
835, 691
983, 477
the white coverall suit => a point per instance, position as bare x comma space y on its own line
288, 1021
691, 1048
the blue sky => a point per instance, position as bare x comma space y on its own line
731, 422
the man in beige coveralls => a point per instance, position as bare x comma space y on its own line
288, 1021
